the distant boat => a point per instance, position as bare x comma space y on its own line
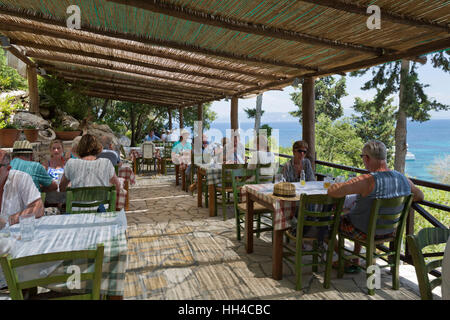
409, 155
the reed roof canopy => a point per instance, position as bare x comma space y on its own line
182, 53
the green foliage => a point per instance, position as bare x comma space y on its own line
251, 112
7, 108
328, 94
337, 141
190, 116
386, 79
59, 95
376, 121
9, 77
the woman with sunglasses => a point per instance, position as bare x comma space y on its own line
293, 168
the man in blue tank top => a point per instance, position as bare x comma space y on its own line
379, 183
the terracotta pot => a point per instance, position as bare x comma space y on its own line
8, 136
31, 134
67, 135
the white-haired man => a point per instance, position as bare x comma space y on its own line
380, 182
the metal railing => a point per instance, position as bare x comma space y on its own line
415, 208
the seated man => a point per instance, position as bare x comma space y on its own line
18, 194
151, 136
108, 150
23, 161
379, 183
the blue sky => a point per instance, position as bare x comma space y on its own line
280, 101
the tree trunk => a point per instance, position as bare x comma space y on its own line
258, 112
400, 128
104, 108
133, 128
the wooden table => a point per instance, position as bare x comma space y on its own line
283, 211
213, 174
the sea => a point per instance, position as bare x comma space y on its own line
428, 141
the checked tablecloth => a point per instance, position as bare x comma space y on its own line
125, 173
77, 232
283, 209
213, 172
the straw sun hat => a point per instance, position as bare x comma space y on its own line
285, 191
23, 146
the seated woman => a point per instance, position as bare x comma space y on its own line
181, 152
293, 168
55, 166
88, 171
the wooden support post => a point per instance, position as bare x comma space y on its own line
234, 113
181, 119
308, 121
33, 89
409, 231
170, 119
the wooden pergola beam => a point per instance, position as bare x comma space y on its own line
128, 90
114, 94
125, 85
115, 91
84, 62
385, 14
125, 98
217, 20
107, 42
115, 77
146, 40
19, 55
39, 46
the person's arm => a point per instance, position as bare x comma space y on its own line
64, 183
309, 173
417, 193
36, 207
362, 185
53, 186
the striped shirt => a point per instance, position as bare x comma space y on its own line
388, 184
35, 170
89, 173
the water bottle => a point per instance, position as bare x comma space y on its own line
302, 178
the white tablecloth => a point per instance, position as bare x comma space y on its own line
75, 232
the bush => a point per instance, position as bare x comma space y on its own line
7, 109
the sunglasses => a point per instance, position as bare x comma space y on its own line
363, 155
300, 151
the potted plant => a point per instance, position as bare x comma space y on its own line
63, 133
9, 132
31, 133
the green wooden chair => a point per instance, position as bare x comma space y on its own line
167, 157
116, 169
90, 198
416, 243
265, 178
315, 211
15, 286
148, 156
225, 187
396, 221
239, 178
43, 196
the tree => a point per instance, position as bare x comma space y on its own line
337, 141
9, 77
400, 78
375, 122
256, 113
190, 116
328, 94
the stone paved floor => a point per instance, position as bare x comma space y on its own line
176, 251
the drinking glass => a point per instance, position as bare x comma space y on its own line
27, 226
327, 182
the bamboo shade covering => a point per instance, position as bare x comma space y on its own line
184, 53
